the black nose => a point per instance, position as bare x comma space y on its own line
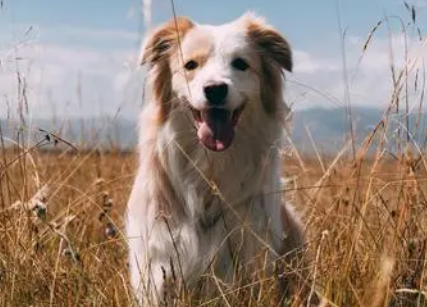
216, 93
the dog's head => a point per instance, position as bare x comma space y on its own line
217, 72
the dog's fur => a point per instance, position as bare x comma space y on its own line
194, 208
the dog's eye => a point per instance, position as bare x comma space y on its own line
240, 64
190, 65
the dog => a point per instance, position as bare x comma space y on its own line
207, 189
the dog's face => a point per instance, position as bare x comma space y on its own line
216, 72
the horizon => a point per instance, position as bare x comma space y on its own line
325, 126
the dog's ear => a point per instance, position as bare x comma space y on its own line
275, 55
161, 41
156, 51
268, 41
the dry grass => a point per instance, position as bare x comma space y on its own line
64, 247
61, 220
61, 217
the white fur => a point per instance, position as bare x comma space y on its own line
214, 200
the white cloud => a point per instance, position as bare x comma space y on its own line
305, 63
53, 74
319, 79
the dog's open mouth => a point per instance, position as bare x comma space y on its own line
215, 126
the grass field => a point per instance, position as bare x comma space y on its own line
365, 211
61, 217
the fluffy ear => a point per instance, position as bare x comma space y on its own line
156, 52
275, 55
269, 41
162, 40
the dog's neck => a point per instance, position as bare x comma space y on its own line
202, 178
185, 175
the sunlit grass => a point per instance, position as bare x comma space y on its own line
364, 207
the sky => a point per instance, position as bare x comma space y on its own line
79, 58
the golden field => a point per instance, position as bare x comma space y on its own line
365, 210
61, 223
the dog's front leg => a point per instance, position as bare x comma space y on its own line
145, 281
153, 272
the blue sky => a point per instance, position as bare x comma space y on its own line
305, 22
78, 56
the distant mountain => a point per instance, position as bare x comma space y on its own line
330, 129
86, 133
327, 127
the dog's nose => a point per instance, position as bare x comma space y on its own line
216, 93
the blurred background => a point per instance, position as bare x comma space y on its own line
71, 67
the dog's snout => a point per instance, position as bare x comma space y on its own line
216, 93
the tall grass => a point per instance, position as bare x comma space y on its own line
61, 215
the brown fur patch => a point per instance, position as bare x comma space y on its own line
270, 42
165, 39
275, 55
198, 57
157, 53
198, 48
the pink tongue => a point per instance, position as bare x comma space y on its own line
216, 130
